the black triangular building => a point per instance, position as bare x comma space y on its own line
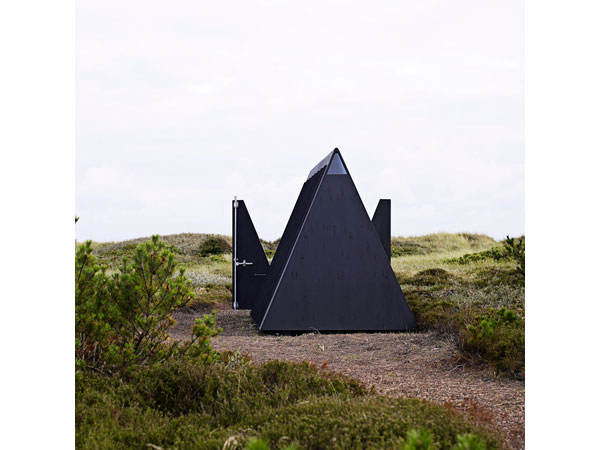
331, 270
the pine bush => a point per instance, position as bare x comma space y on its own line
123, 320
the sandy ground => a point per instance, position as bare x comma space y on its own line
421, 365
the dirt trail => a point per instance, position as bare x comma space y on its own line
420, 365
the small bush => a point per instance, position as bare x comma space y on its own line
495, 276
496, 254
516, 250
431, 277
256, 444
92, 306
214, 246
399, 249
291, 446
439, 315
418, 440
469, 442
123, 320
498, 336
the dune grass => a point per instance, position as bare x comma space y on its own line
441, 243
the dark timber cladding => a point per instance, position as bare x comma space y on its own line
382, 221
331, 271
252, 262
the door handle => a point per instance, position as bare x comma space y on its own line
243, 263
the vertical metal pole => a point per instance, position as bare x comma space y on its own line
234, 264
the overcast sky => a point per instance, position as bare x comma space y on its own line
183, 104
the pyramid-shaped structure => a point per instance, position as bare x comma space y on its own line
331, 271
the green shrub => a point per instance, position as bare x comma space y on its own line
363, 423
435, 314
201, 405
516, 250
415, 440
431, 277
399, 249
498, 336
291, 446
496, 254
234, 389
214, 246
193, 403
123, 320
418, 440
495, 276
92, 309
469, 442
256, 444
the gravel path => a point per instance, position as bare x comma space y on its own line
419, 365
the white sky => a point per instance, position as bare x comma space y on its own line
183, 104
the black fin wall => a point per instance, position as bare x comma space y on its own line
382, 221
249, 278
